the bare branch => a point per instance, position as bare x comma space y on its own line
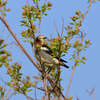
77, 97
50, 39
46, 89
26, 96
6, 39
14, 41
91, 93
74, 67
56, 28
28, 3
18, 47
34, 52
11, 54
3, 81
10, 89
2, 32
55, 87
34, 55
62, 26
35, 93
84, 15
36, 47
35, 3
10, 95
39, 26
45, 1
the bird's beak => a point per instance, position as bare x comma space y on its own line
44, 37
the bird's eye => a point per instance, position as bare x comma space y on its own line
39, 38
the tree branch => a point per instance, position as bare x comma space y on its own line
39, 26
24, 50
80, 22
10, 89
46, 88
62, 26
6, 38
2, 32
74, 66
27, 3
54, 86
56, 28
81, 42
91, 92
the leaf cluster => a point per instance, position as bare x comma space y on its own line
78, 46
4, 54
30, 15
3, 5
2, 92
20, 85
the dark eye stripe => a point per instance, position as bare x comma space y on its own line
39, 38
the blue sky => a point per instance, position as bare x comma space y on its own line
85, 76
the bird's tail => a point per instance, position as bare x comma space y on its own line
62, 64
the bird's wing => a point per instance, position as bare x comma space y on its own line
46, 49
61, 60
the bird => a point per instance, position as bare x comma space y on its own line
45, 53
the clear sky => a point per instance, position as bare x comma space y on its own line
85, 76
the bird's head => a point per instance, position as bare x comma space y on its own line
40, 39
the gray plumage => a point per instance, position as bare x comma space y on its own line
45, 54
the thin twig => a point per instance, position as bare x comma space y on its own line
45, 86
91, 92
35, 3
35, 93
3, 81
74, 66
34, 52
28, 3
62, 26
55, 87
10, 95
36, 46
6, 38
72, 75
45, 1
26, 95
77, 97
4, 90
2, 32
80, 22
39, 26
15, 41
34, 55
84, 15
56, 28
11, 54
18, 47
10, 89
58, 67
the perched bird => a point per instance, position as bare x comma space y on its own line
46, 54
